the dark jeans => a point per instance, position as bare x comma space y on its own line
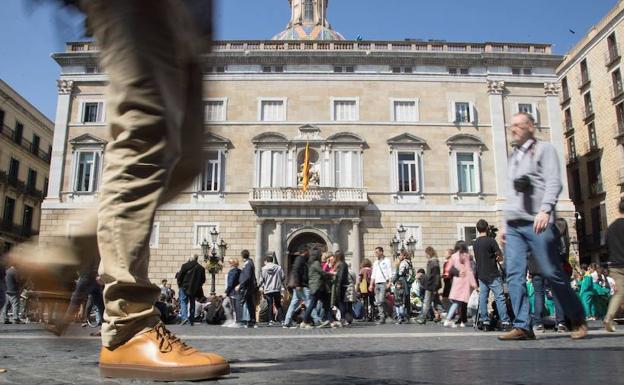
275, 298
369, 307
324, 299
191, 303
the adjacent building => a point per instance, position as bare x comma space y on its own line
25, 146
406, 132
592, 104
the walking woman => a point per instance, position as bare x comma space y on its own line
363, 284
339, 287
447, 279
463, 284
319, 291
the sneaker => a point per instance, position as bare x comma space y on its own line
448, 323
517, 334
7, 322
579, 331
324, 324
462, 325
421, 321
562, 328
286, 325
336, 324
169, 359
539, 328
249, 326
381, 322
304, 325
271, 323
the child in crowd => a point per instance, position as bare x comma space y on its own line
399, 305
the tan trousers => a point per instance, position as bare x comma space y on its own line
618, 298
150, 52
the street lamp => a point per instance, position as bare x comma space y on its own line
400, 244
214, 262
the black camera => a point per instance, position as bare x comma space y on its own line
522, 184
492, 231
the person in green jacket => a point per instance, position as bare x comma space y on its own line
319, 283
602, 294
586, 292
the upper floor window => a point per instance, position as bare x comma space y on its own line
34, 147
14, 168
215, 110
19, 132
463, 112
405, 110
529, 108
589, 107
92, 69
616, 77
27, 220
342, 69
210, 178
458, 71
406, 152
584, 72
345, 109
1, 120
571, 149
613, 47
409, 171
466, 172
565, 91
593, 139
522, 71
568, 119
92, 112
9, 211
347, 168
465, 161
402, 70
87, 163
275, 68
31, 183
272, 110
271, 168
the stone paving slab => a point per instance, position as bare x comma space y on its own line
364, 354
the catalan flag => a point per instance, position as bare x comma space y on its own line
306, 169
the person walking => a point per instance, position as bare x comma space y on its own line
340, 284
615, 245
233, 279
380, 282
247, 288
432, 284
463, 284
488, 255
406, 275
13, 292
447, 278
319, 283
298, 284
193, 277
272, 283
363, 287
534, 185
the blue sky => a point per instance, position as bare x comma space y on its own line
29, 35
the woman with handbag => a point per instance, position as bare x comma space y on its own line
363, 286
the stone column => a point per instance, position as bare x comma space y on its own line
59, 142
499, 139
551, 90
258, 259
356, 246
279, 242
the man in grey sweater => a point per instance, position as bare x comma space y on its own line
534, 185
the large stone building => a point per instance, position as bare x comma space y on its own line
25, 145
592, 102
411, 133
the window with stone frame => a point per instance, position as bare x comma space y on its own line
211, 176
589, 107
92, 112
467, 233
409, 171
571, 149
463, 112
591, 133
87, 160
347, 166
215, 110
8, 212
565, 90
272, 110
568, 119
584, 71
345, 110
465, 163
272, 168
529, 108
405, 110
467, 172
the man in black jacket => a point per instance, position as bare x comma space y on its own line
298, 283
192, 276
432, 284
247, 290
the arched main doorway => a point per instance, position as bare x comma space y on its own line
309, 240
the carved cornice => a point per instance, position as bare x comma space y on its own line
65, 87
495, 87
551, 89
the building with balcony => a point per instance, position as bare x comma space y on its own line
411, 133
592, 104
25, 146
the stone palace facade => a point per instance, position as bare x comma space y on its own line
411, 133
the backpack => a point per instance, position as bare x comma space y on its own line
411, 274
214, 314
364, 284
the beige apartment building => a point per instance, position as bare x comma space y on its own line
412, 133
25, 146
592, 101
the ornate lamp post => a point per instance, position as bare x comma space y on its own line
214, 262
399, 243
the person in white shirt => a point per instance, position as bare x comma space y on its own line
380, 281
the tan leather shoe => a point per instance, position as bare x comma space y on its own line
579, 330
158, 355
609, 326
517, 334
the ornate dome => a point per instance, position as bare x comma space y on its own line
301, 32
308, 21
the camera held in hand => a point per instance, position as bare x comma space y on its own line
523, 184
492, 231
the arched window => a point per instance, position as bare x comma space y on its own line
308, 11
